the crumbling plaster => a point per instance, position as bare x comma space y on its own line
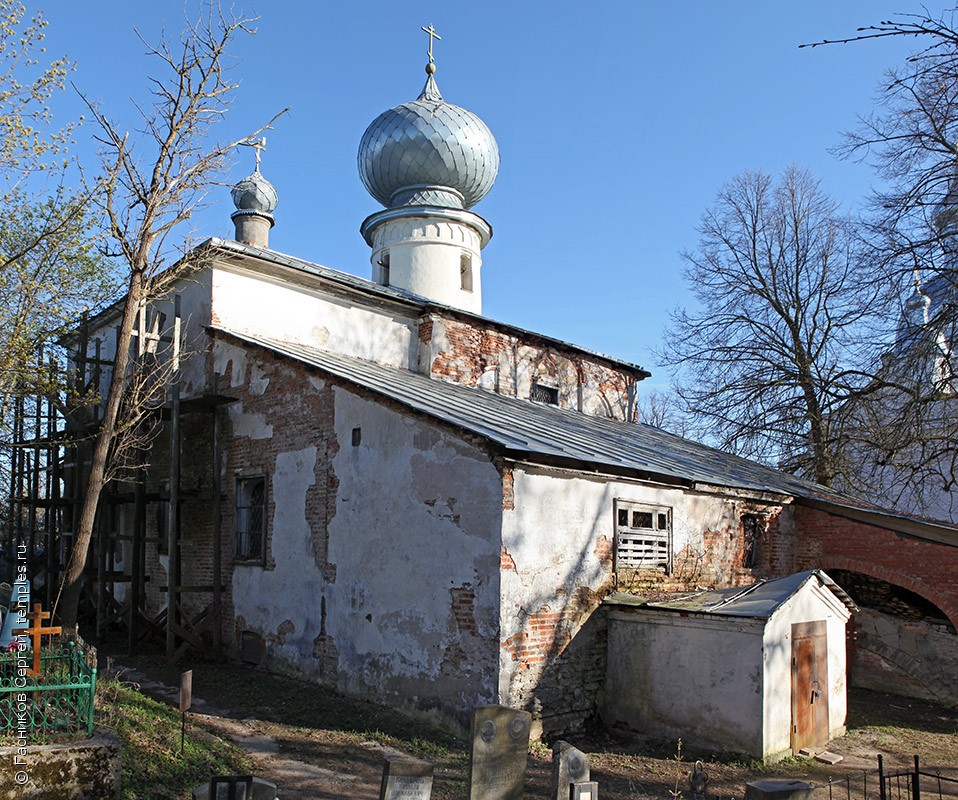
477, 354
381, 572
415, 541
557, 566
285, 599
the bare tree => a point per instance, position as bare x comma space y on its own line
772, 349
145, 198
48, 262
904, 433
661, 410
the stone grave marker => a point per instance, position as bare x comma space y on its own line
235, 787
500, 749
406, 779
569, 765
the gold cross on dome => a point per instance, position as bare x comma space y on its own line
432, 35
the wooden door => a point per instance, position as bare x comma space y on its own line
809, 685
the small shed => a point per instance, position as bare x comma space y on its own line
758, 671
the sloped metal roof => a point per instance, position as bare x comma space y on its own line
525, 428
760, 601
539, 432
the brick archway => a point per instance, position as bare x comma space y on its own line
928, 569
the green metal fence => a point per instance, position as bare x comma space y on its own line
58, 701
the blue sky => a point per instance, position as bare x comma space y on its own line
617, 123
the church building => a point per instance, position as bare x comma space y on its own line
368, 483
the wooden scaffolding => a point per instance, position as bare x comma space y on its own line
49, 450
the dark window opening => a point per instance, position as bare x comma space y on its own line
250, 519
357, 436
544, 394
752, 528
384, 268
642, 519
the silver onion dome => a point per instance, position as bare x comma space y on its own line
428, 152
255, 195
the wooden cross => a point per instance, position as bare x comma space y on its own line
432, 35
36, 632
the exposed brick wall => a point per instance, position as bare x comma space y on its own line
560, 657
827, 541
308, 418
473, 354
508, 488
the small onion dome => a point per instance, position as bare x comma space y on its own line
428, 152
255, 195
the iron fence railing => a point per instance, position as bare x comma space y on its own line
59, 700
913, 783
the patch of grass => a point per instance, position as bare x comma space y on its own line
153, 767
301, 704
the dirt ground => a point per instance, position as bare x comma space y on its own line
315, 744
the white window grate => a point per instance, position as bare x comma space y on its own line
643, 536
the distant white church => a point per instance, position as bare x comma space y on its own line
903, 452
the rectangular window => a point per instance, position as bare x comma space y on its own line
251, 519
643, 536
752, 528
541, 393
384, 268
465, 272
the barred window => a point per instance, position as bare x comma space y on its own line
541, 393
251, 519
643, 536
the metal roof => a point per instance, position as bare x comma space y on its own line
761, 600
524, 428
535, 431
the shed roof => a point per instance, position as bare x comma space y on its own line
760, 600
527, 430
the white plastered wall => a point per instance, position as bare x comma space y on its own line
289, 312
407, 595
415, 543
561, 525
425, 257
697, 678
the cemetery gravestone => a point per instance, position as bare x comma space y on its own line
235, 787
500, 749
406, 779
569, 765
